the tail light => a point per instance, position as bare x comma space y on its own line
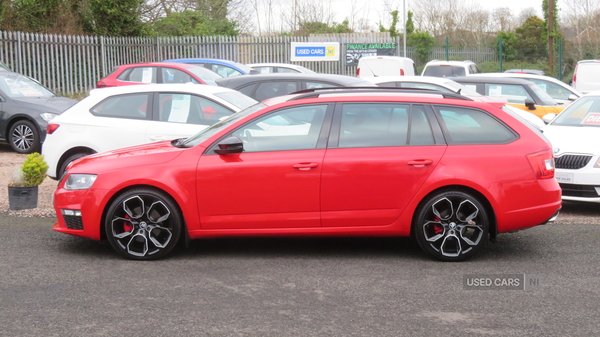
357, 71
575, 74
50, 128
401, 72
542, 164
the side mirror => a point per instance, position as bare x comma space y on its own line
549, 117
208, 112
230, 145
572, 97
530, 104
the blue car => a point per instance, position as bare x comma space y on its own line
224, 68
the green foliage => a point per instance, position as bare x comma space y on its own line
531, 43
509, 42
192, 23
114, 18
423, 43
410, 25
393, 31
494, 67
315, 27
33, 170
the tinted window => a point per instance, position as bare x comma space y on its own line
286, 70
190, 109
296, 128
267, 90
224, 70
264, 70
444, 71
513, 93
124, 106
316, 85
170, 75
375, 125
141, 75
472, 126
555, 91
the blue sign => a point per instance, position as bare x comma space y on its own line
310, 51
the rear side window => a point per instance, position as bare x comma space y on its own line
267, 90
139, 75
190, 109
464, 126
444, 71
380, 125
133, 106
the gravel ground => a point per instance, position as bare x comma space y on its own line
10, 162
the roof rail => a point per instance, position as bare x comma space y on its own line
316, 92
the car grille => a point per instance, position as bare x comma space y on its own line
571, 162
583, 191
73, 222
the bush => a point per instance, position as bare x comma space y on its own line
33, 171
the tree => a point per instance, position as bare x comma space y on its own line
509, 42
423, 43
192, 23
531, 44
113, 17
307, 28
393, 31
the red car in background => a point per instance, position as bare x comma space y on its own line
450, 171
158, 72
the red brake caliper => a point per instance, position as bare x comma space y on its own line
438, 229
126, 226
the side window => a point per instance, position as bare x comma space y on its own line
554, 90
287, 70
189, 109
296, 128
267, 90
388, 84
264, 70
171, 75
224, 70
513, 93
124, 106
374, 125
247, 90
472, 126
420, 129
141, 75
316, 85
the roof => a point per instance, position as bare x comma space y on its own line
236, 81
491, 79
165, 87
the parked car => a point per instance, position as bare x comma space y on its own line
439, 68
264, 86
225, 68
375, 66
575, 135
348, 162
526, 71
112, 118
268, 68
520, 93
25, 109
558, 90
157, 72
586, 77
445, 84
3, 66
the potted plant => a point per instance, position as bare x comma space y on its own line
23, 190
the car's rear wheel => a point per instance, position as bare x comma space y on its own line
71, 158
24, 137
143, 224
451, 225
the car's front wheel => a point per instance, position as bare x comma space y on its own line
451, 225
143, 224
24, 137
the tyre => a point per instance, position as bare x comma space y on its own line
143, 224
71, 158
451, 226
24, 137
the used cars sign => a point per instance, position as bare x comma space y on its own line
315, 51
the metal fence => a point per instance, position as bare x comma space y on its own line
73, 64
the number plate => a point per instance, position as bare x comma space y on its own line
564, 177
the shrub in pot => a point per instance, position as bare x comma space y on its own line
23, 190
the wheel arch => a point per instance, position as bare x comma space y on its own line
17, 118
150, 187
461, 188
70, 152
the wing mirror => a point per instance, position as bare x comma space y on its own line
573, 97
549, 118
230, 145
530, 104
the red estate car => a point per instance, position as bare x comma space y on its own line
158, 72
450, 171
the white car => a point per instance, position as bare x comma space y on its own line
445, 84
268, 68
558, 90
439, 68
117, 117
575, 135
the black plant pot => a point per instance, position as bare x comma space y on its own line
22, 197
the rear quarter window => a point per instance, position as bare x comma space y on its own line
468, 126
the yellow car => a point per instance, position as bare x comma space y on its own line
520, 93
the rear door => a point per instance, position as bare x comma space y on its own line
379, 155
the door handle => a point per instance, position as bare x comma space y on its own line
305, 166
420, 162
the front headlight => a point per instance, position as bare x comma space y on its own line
80, 181
47, 116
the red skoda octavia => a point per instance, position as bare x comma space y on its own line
449, 171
